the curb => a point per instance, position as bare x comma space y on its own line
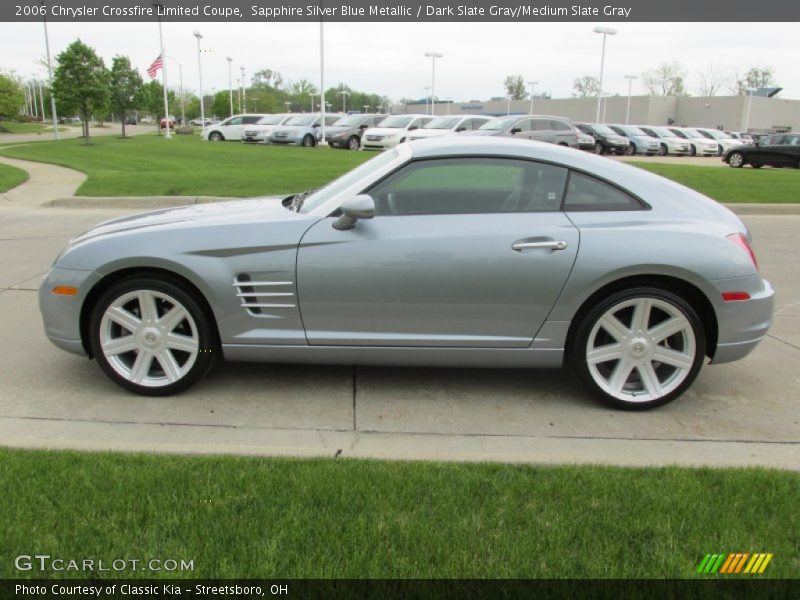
133, 201
125, 202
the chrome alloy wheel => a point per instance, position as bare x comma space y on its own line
149, 338
641, 349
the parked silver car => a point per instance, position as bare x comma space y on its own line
638, 141
539, 128
302, 130
669, 143
463, 250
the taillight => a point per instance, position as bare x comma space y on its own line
741, 241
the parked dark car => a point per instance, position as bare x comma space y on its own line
606, 140
347, 131
131, 120
778, 150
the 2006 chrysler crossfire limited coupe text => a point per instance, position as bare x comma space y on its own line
457, 251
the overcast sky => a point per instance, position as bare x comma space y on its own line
388, 58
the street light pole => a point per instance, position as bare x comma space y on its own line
322, 141
230, 82
50, 76
433, 56
630, 79
606, 31
180, 83
312, 94
244, 91
32, 85
167, 134
344, 94
532, 83
41, 99
427, 93
199, 37
508, 108
749, 105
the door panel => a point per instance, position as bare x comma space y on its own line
433, 280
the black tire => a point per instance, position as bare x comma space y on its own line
599, 148
208, 346
692, 150
736, 160
719, 150
663, 150
354, 143
216, 136
630, 150
309, 141
580, 339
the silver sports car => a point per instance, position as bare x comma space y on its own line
458, 251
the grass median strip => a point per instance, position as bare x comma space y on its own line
320, 518
148, 165
20, 127
11, 177
724, 184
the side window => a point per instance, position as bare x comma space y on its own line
561, 126
525, 125
585, 193
542, 125
249, 120
470, 186
233, 121
476, 123
330, 120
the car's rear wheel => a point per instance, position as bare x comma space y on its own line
216, 136
663, 150
599, 148
353, 143
639, 348
692, 150
150, 336
308, 141
630, 150
736, 160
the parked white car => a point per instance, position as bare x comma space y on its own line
392, 130
725, 141
231, 129
260, 131
669, 143
698, 143
450, 125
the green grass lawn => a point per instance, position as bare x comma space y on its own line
11, 177
724, 184
19, 127
148, 165
321, 518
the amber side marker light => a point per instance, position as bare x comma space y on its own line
65, 290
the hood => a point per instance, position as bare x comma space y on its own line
262, 209
291, 128
385, 130
482, 132
429, 133
615, 138
333, 130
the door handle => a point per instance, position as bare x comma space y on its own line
549, 245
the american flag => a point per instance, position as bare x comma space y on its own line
158, 63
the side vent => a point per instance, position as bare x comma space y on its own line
258, 297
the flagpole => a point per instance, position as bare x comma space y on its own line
167, 135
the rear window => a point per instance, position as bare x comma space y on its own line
585, 193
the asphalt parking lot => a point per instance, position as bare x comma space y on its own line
743, 413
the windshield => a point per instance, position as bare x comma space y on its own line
302, 120
715, 134
324, 194
632, 130
443, 123
693, 133
499, 124
270, 120
662, 132
395, 122
604, 129
351, 121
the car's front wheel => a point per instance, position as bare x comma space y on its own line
150, 336
639, 348
663, 150
630, 150
354, 143
216, 136
692, 150
308, 141
599, 148
736, 160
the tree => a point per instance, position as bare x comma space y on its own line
221, 103
12, 97
667, 79
267, 78
586, 87
712, 80
151, 99
754, 78
125, 85
80, 82
515, 87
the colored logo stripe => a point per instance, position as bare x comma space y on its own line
734, 562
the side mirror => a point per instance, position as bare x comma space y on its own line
461, 129
363, 126
413, 127
353, 209
515, 131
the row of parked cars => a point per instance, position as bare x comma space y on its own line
379, 132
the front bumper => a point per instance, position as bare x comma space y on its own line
743, 324
382, 144
62, 314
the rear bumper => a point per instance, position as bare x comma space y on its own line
742, 325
